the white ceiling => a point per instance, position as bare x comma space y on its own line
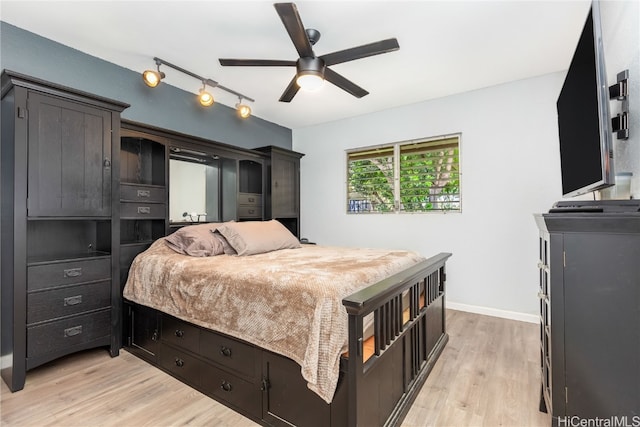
446, 47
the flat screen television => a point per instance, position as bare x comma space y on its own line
584, 121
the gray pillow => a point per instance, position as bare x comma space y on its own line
196, 240
256, 237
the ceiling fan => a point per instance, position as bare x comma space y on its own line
312, 69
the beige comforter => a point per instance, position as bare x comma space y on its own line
288, 301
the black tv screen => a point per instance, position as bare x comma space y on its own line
583, 116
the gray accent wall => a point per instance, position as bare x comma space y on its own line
165, 107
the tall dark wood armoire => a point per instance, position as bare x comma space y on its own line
59, 240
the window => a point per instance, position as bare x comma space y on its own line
410, 176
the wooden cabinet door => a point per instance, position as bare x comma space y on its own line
602, 336
69, 158
283, 380
284, 186
142, 331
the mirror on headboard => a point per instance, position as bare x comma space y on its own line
202, 187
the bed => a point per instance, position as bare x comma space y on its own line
289, 334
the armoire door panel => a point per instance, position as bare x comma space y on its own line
69, 158
284, 187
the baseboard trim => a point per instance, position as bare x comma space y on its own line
495, 312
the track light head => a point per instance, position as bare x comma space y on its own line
204, 97
152, 78
243, 110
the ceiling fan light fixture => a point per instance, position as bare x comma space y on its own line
310, 73
309, 81
243, 110
205, 98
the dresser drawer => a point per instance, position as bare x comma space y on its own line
249, 211
60, 302
229, 353
181, 334
182, 365
43, 276
142, 210
236, 391
143, 193
251, 199
55, 336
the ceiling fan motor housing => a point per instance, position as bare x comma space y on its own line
306, 65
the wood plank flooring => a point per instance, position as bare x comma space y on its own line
488, 375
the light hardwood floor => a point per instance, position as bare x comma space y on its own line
488, 375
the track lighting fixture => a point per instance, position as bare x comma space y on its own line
205, 98
152, 79
243, 110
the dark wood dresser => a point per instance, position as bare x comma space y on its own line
590, 311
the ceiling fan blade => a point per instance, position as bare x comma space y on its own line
291, 19
256, 62
290, 91
376, 48
344, 84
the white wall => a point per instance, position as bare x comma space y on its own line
621, 39
510, 169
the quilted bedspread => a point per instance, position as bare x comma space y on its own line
287, 301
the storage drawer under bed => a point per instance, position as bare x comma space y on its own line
230, 353
213, 381
227, 352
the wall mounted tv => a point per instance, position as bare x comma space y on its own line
584, 123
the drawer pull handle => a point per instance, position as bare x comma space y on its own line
144, 210
73, 272
179, 333
74, 300
179, 362
70, 332
144, 193
226, 386
252, 211
225, 351
251, 199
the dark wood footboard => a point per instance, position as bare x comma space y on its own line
409, 335
376, 387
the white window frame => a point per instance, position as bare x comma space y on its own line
366, 206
